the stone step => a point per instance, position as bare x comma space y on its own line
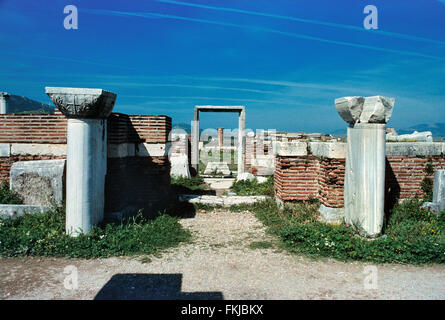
224, 201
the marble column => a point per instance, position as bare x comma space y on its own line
4, 102
364, 192
195, 140
241, 140
87, 111
221, 137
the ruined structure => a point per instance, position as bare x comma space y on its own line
241, 132
136, 163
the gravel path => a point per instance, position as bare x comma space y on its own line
218, 264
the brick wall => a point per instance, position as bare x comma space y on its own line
305, 177
124, 128
404, 175
32, 128
132, 178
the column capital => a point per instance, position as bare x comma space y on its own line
376, 109
82, 102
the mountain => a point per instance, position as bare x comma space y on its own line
186, 127
19, 104
183, 126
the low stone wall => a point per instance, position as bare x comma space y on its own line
138, 169
317, 169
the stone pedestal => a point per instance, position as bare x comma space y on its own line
365, 178
364, 194
86, 110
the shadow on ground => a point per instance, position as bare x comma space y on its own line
134, 286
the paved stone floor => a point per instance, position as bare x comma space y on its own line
218, 264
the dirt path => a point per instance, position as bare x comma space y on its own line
219, 264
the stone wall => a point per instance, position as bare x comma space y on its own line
316, 170
138, 169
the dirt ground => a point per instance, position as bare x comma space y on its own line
218, 264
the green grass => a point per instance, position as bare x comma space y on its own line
411, 236
185, 185
253, 188
8, 196
260, 245
43, 234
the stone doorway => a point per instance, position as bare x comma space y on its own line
241, 134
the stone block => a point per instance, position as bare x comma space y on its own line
425, 136
5, 150
415, 148
332, 150
245, 176
180, 166
261, 179
331, 215
153, 149
37, 149
39, 182
290, 149
17, 210
218, 167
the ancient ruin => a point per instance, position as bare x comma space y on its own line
241, 132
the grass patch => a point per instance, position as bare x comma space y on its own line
8, 196
260, 245
184, 185
412, 235
253, 188
43, 234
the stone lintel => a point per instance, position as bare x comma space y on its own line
220, 108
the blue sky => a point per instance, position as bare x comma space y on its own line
285, 60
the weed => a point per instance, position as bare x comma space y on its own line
8, 196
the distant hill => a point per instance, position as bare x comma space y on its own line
19, 104
186, 127
183, 126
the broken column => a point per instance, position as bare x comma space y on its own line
438, 203
365, 161
439, 189
87, 111
4, 102
220, 137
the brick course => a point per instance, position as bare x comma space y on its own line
305, 177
